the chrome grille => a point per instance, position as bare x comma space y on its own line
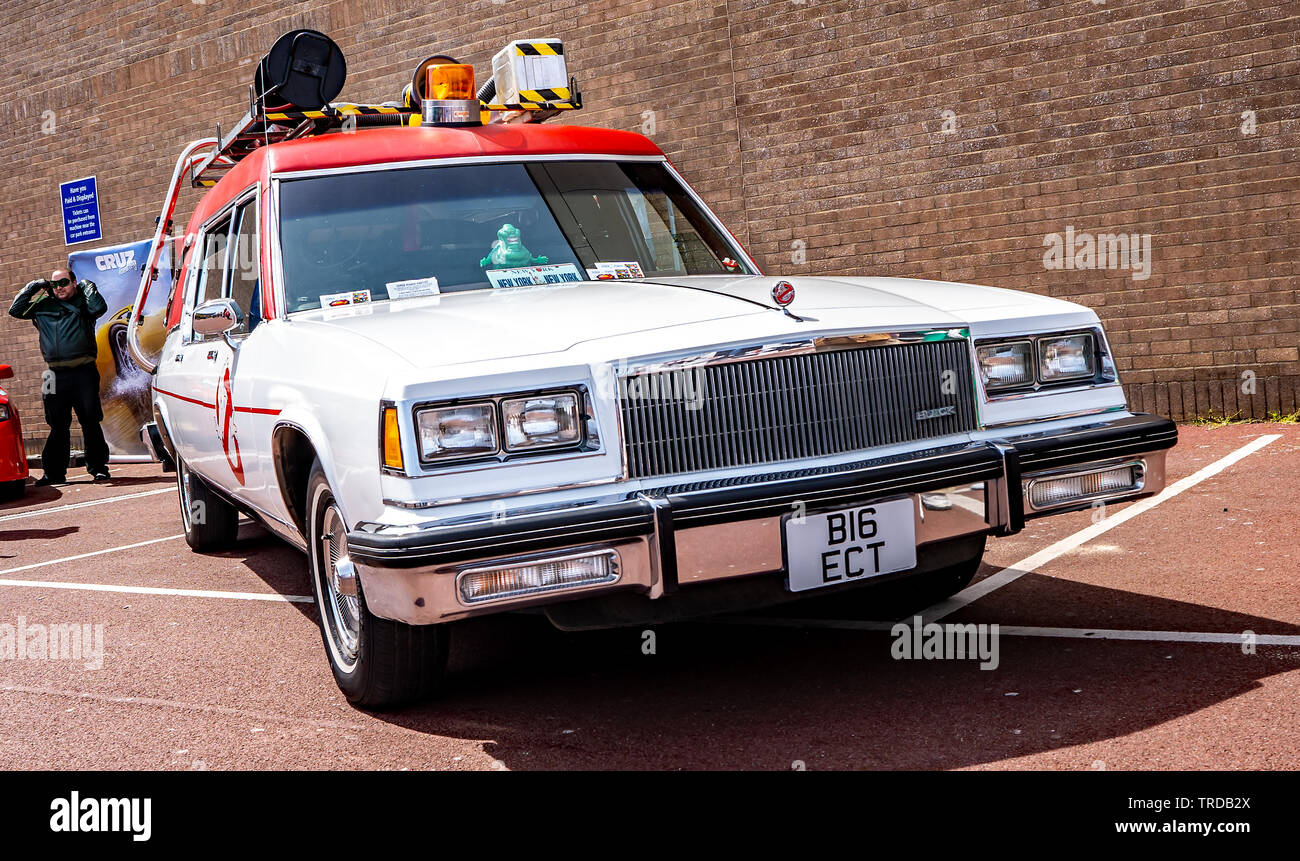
782, 408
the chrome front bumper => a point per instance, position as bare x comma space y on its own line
688, 538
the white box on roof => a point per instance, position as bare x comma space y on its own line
534, 65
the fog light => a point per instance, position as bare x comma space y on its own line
477, 585
1077, 487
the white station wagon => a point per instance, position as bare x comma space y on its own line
472, 367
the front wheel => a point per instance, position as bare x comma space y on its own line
377, 663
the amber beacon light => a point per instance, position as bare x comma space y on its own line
449, 96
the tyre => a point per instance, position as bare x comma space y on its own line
12, 490
210, 522
377, 663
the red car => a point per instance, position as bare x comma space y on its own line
13, 458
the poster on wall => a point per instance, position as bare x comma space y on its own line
123, 386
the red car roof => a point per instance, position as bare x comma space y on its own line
387, 145
398, 144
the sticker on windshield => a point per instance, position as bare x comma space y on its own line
412, 289
526, 276
615, 271
338, 300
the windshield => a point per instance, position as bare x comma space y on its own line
396, 233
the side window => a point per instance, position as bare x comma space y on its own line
212, 264
245, 268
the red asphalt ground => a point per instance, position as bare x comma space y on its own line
224, 682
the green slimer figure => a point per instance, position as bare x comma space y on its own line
507, 250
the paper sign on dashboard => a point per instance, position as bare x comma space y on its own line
615, 271
338, 300
413, 288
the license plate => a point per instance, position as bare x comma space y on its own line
850, 544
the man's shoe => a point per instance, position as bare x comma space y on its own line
102, 475
47, 481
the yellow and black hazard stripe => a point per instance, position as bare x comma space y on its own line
559, 94
531, 106
539, 49
334, 113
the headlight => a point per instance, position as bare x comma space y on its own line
1005, 366
541, 422
1067, 357
464, 430
1034, 362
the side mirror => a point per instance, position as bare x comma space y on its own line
218, 317
6, 372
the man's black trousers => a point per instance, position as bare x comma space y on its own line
73, 390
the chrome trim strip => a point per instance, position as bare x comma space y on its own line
461, 160
277, 264
658, 565
1022, 423
822, 343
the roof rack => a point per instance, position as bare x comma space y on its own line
259, 127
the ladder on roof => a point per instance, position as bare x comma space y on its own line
259, 128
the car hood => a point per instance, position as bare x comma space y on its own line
469, 326
826, 293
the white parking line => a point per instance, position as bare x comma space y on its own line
1031, 631
225, 711
139, 590
87, 504
88, 555
1031, 563
159, 590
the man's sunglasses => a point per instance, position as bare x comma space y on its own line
62, 282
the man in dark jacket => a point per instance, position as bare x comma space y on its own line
64, 310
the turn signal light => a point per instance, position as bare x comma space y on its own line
392, 441
450, 81
1105, 483
538, 577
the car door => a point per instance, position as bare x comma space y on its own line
189, 383
243, 421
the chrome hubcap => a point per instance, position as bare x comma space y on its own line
338, 577
183, 490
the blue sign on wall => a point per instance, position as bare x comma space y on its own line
80, 200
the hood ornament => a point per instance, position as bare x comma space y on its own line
783, 293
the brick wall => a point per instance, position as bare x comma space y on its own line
933, 139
